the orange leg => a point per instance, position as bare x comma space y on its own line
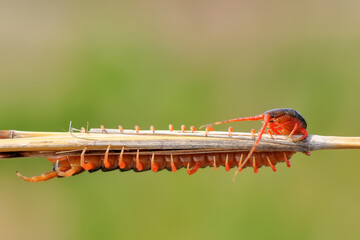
296, 125
173, 167
139, 165
194, 169
227, 165
271, 164
68, 173
262, 130
253, 132
107, 163
83, 164
305, 132
273, 128
154, 165
42, 177
254, 165
288, 164
121, 161
183, 128
214, 164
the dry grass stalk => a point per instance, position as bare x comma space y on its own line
26, 144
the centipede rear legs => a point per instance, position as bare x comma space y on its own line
73, 169
42, 177
62, 168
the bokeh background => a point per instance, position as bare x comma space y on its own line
181, 62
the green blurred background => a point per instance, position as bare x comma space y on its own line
181, 62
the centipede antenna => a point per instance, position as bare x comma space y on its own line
253, 118
87, 127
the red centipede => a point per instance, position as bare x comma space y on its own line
282, 121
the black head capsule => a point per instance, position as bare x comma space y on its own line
278, 112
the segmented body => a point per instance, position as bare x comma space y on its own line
66, 166
282, 121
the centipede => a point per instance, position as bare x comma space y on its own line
280, 121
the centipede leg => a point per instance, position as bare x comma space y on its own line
262, 130
303, 131
214, 164
270, 132
42, 177
256, 170
253, 132
107, 163
121, 161
173, 167
194, 169
68, 173
154, 165
270, 163
139, 165
227, 164
288, 164
83, 164
274, 129
293, 130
